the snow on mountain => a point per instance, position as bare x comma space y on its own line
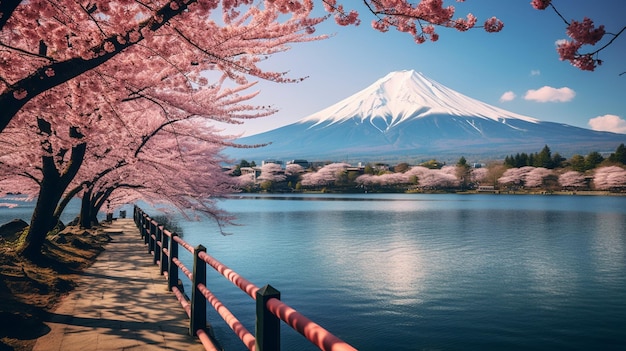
406, 95
405, 116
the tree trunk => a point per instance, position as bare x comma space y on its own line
66, 200
43, 219
51, 190
84, 219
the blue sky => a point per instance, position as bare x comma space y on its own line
481, 65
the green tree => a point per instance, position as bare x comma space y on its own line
462, 162
619, 156
557, 160
593, 160
463, 172
577, 162
543, 158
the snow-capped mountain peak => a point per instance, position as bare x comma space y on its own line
406, 95
406, 116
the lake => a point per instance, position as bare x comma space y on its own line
429, 272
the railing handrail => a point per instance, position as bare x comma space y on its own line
163, 244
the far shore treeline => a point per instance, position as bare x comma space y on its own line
539, 172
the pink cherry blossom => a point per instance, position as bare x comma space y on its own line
540, 4
608, 178
585, 32
572, 179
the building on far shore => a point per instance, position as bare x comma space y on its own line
486, 189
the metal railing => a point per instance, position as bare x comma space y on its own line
164, 246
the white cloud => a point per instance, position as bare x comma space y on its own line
550, 94
608, 123
535, 72
508, 96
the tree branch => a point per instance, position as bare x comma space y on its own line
39, 81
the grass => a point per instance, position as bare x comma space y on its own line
29, 290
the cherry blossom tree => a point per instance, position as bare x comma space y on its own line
88, 64
440, 178
139, 42
536, 177
272, 172
572, 179
515, 176
382, 180
245, 180
138, 122
293, 170
324, 176
479, 175
609, 178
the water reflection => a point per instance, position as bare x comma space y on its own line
472, 272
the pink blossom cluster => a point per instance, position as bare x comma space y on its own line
415, 18
540, 4
582, 33
293, 169
272, 172
528, 176
607, 178
325, 175
145, 112
419, 175
572, 179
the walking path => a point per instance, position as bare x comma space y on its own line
121, 303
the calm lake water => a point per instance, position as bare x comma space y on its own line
430, 272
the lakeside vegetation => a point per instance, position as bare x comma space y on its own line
539, 172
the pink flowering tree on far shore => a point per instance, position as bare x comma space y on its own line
572, 180
537, 177
382, 180
272, 172
479, 175
609, 178
324, 176
515, 177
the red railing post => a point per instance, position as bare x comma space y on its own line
158, 235
146, 234
172, 272
164, 261
198, 301
267, 324
151, 230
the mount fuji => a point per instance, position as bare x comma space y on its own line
407, 116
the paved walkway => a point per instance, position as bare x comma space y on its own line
113, 306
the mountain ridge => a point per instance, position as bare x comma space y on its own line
406, 115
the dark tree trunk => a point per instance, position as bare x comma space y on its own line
43, 220
66, 200
84, 218
51, 190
